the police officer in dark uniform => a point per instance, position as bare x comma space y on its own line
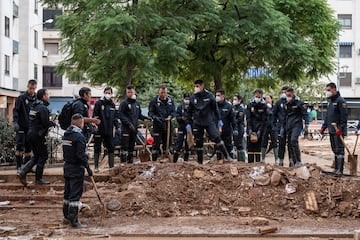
279, 115
336, 113
129, 113
181, 118
270, 132
161, 110
38, 129
81, 106
204, 115
228, 118
105, 111
21, 123
256, 122
296, 113
239, 112
75, 163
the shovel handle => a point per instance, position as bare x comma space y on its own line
342, 139
96, 190
356, 141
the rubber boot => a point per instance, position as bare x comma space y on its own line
66, 212
281, 162
263, 154
222, 148
111, 157
200, 156
186, 156
334, 165
251, 157
176, 157
123, 156
22, 175
73, 215
241, 155
218, 155
96, 162
39, 174
339, 166
297, 156
154, 155
130, 158
276, 155
26, 158
19, 160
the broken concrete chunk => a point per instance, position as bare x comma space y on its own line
114, 205
198, 173
275, 178
259, 221
262, 180
234, 171
302, 172
266, 230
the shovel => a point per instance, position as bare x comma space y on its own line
168, 129
145, 154
98, 196
352, 159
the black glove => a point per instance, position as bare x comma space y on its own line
16, 127
89, 171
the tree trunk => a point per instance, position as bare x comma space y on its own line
218, 81
129, 75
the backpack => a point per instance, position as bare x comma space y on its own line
65, 115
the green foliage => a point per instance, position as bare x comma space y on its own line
121, 42
7, 142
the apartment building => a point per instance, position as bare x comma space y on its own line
347, 72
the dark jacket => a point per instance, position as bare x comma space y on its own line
336, 113
296, 113
239, 112
159, 110
39, 119
279, 113
181, 112
228, 117
105, 110
130, 113
270, 116
80, 106
203, 109
256, 114
75, 157
21, 110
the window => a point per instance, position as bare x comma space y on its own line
345, 51
7, 64
51, 14
36, 39
35, 71
345, 20
36, 6
7, 27
52, 48
50, 79
345, 79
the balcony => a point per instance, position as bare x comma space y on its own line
15, 47
15, 10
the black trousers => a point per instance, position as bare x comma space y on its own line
199, 134
337, 146
39, 148
180, 140
227, 139
22, 142
108, 143
239, 139
128, 139
269, 134
160, 137
73, 188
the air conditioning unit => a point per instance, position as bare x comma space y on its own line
45, 53
357, 80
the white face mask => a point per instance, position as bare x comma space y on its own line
257, 100
107, 96
269, 105
133, 97
197, 90
283, 96
289, 99
328, 94
186, 101
235, 102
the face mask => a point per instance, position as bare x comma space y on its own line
257, 100
283, 96
289, 99
269, 105
235, 102
197, 90
218, 99
186, 101
133, 97
328, 94
107, 96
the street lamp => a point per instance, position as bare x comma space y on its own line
50, 20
